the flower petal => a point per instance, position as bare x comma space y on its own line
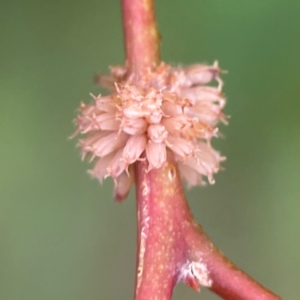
123, 184
110, 143
203, 93
202, 74
190, 175
206, 162
107, 121
175, 125
157, 133
117, 165
134, 126
156, 154
181, 146
100, 169
171, 109
106, 103
134, 147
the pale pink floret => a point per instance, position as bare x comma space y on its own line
203, 93
134, 126
117, 165
134, 148
106, 103
157, 133
206, 112
109, 143
201, 74
107, 121
189, 175
123, 184
154, 117
134, 111
100, 169
156, 154
177, 124
197, 74
182, 147
171, 109
161, 109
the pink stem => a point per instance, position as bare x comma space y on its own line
141, 34
159, 250
228, 281
171, 245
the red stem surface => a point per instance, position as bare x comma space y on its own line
141, 34
173, 247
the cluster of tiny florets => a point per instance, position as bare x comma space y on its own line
160, 109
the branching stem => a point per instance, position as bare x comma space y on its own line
171, 245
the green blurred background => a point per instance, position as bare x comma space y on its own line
61, 234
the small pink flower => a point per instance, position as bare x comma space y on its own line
134, 148
161, 109
156, 154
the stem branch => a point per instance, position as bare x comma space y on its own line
171, 245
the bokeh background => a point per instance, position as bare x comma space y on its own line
62, 236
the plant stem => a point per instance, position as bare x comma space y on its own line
158, 233
141, 34
227, 280
171, 245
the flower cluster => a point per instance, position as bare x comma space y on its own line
147, 114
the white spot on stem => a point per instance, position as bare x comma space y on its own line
196, 271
